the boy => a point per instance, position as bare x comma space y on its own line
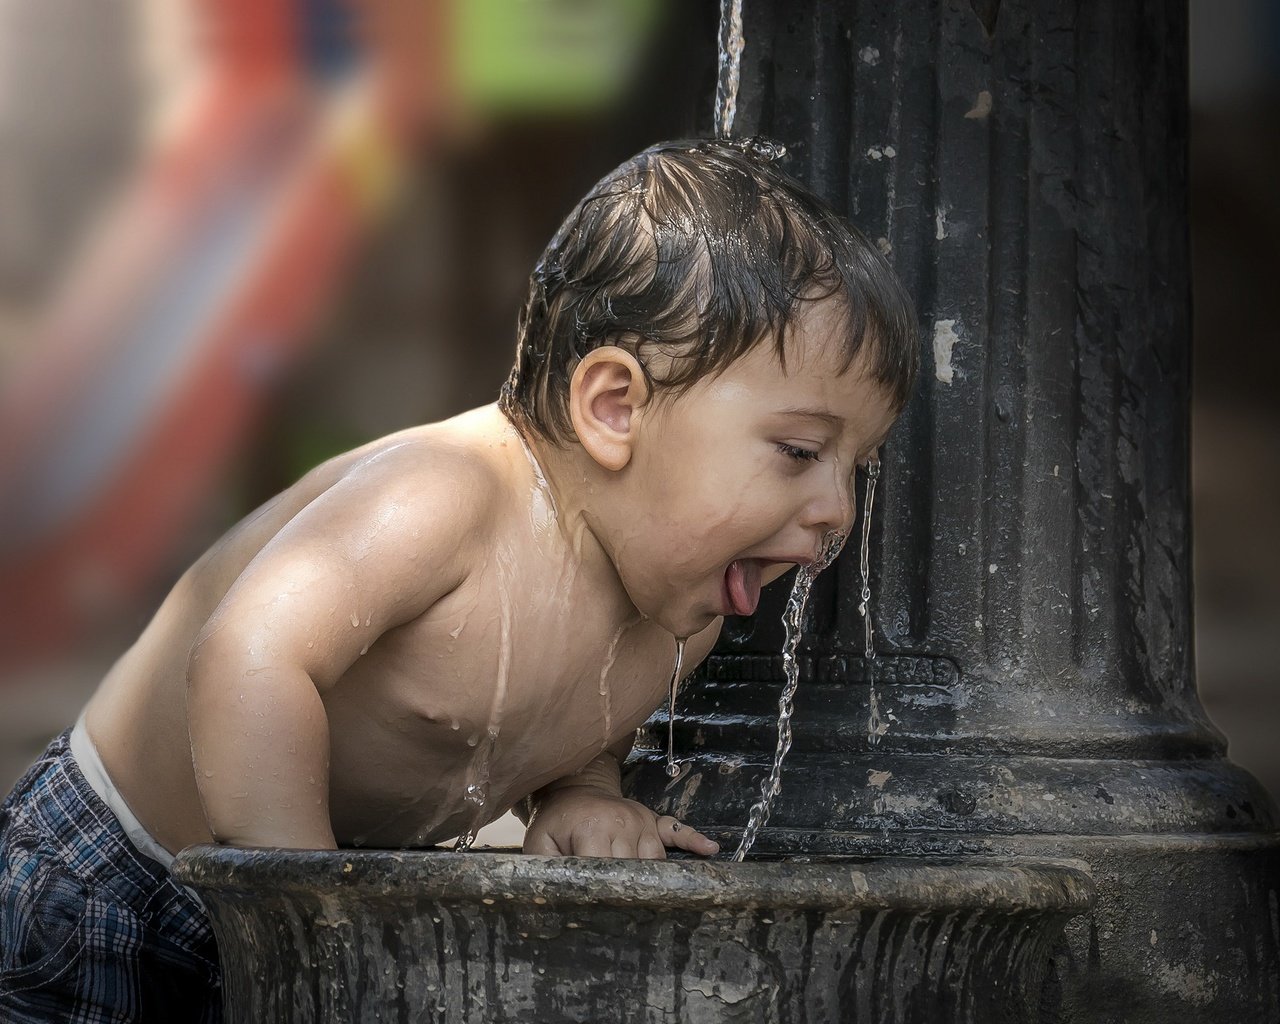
462, 616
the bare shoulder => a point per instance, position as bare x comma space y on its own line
431, 470
434, 492
375, 537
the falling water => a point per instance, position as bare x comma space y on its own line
731, 43
542, 515
673, 769
792, 620
876, 726
477, 793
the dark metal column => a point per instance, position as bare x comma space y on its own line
1023, 165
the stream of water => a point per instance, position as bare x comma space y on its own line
731, 44
673, 769
793, 623
876, 725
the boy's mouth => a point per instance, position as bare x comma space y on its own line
742, 586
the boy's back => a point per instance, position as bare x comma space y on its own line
396, 567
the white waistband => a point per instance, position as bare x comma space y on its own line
95, 773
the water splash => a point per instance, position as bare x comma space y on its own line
876, 726
793, 621
731, 44
673, 769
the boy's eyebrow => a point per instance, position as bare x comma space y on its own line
814, 414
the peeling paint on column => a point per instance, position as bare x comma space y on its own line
1186, 983
981, 106
944, 341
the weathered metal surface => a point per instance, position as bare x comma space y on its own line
437, 936
1023, 165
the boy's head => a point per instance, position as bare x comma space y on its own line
700, 250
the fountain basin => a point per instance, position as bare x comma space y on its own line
424, 935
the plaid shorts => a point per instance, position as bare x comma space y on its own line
91, 930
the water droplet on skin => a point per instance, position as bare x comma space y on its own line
364, 650
355, 620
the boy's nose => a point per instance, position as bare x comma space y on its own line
832, 506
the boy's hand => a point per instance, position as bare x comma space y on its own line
583, 821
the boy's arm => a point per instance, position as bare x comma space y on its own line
373, 552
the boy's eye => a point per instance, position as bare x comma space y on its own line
799, 454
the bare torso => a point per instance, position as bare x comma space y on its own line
520, 675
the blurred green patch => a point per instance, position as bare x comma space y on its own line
548, 56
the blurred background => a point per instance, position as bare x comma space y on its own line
239, 236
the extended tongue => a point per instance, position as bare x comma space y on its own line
742, 580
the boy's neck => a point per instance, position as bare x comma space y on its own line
573, 486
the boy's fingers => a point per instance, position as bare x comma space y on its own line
591, 844
622, 846
542, 844
674, 833
650, 847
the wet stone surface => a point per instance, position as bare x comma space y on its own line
438, 936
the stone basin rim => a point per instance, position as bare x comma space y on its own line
932, 885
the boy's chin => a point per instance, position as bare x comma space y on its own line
684, 623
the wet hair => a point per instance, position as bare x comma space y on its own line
704, 249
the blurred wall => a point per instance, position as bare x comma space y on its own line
1235, 222
424, 325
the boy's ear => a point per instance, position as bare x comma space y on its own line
606, 391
